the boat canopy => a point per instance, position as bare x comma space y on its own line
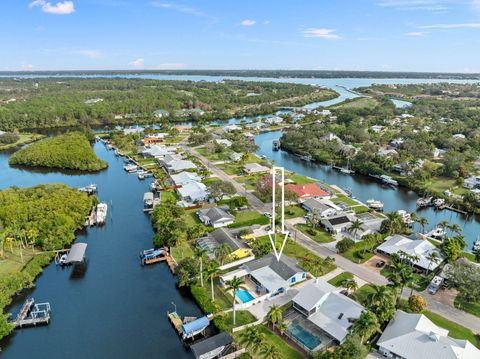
195, 326
77, 253
212, 346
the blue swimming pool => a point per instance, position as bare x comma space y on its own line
244, 296
304, 336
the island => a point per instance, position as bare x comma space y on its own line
71, 150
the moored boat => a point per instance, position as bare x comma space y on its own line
101, 213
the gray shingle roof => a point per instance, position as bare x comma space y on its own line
285, 267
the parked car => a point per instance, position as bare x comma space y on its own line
266, 214
435, 284
380, 264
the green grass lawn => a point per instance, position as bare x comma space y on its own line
299, 179
209, 181
247, 218
455, 330
13, 261
294, 211
357, 254
181, 251
222, 156
441, 184
287, 351
421, 280
361, 294
319, 235
344, 199
231, 168
250, 181
360, 209
225, 322
472, 308
168, 196
359, 102
24, 139
339, 279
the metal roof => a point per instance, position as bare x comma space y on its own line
195, 326
77, 253
215, 343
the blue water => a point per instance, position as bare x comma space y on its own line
244, 296
304, 336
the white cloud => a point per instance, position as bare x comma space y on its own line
416, 33
322, 33
92, 54
59, 8
248, 22
137, 63
472, 25
26, 66
172, 66
177, 7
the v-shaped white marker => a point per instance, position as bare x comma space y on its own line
271, 233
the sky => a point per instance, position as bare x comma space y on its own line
379, 35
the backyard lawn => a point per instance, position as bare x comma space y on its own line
13, 261
345, 200
360, 252
299, 179
287, 351
182, 250
339, 279
168, 196
294, 212
317, 234
421, 280
247, 218
225, 322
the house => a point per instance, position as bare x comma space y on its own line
387, 152
224, 142
438, 153
330, 137
231, 128
184, 178
397, 142
251, 168
413, 336
274, 120
308, 190
161, 113
270, 276
189, 112
472, 182
153, 139
459, 136
414, 247
214, 347
193, 192
337, 223
236, 157
324, 306
377, 128
216, 217
177, 165
314, 205
133, 130
224, 236
158, 151
325, 112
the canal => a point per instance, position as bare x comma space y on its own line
364, 188
118, 309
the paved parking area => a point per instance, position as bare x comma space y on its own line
371, 263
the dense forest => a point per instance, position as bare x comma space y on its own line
443, 90
43, 103
44, 217
71, 150
322, 74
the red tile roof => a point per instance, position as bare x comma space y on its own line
307, 190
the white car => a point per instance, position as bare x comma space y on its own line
435, 284
266, 214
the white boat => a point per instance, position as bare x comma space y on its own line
476, 245
438, 202
90, 189
374, 204
101, 213
130, 168
406, 217
424, 202
388, 180
62, 259
436, 233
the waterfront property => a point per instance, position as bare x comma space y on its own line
337, 224
268, 276
321, 208
158, 151
154, 139
321, 310
412, 336
174, 164
214, 347
216, 217
418, 248
308, 190
251, 168
183, 178
192, 193
239, 250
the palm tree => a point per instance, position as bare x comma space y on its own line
366, 325
455, 228
200, 254
270, 351
252, 338
274, 315
355, 227
413, 216
444, 224
211, 273
400, 275
234, 285
282, 327
350, 285
314, 218
380, 294
423, 223
433, 257
222, 252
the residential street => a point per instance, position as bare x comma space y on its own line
362, 272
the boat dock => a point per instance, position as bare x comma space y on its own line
152, 256
39, 314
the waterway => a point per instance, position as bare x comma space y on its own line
118, 308
364, 188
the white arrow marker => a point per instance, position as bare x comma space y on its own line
271, 233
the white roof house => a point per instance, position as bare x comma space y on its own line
255, 168
159, 151
223, 141
414, 247
193, 192
377, 128
459, 136
230, 128
414, 336
183, 178
173, 164
327, 308
235, 156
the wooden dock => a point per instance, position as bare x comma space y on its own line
39, 314
25, 310
446, 206
176, 321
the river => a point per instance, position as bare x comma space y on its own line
365, 188
118, 309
